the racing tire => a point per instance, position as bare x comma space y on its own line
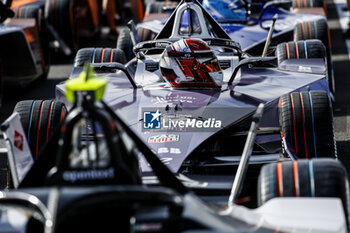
157, 7
59, 14
318, 29
99, 55
308, 3
300, 50
27, 11
124, 43
145, 34
39, 119
304, 178
306, 121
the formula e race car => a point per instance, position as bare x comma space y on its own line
27, 27
93, 183
245, 22
62, 22
24, 48
191, 97
65, 23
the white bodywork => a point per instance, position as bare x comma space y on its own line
301, 214
19, 155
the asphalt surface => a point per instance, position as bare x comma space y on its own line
62, 67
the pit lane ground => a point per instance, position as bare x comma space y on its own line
338, 20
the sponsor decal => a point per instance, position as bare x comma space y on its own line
151, 119
151, 67
162, 44
192, 123
165, 150
73, 176
164, 138
304, 69
155, 120
174, 99
18, 140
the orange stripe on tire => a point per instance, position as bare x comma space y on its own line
279, 106
296, 178
287, 50
111, 56
329, 39
48, 122
63, 114
296, 50
279, 179
279, 103
38, 131
101, 59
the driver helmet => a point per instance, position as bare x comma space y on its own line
191, 63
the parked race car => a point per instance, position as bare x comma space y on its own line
191, 99
247, 23
27, 27
26, 37
64, 22
95, 185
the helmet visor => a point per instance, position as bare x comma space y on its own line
211, 65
